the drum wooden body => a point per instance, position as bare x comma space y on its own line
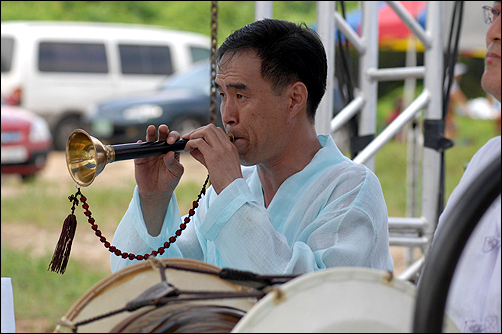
115, 291
336, 300
182, 318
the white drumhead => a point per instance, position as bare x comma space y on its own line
346, 299
115, 291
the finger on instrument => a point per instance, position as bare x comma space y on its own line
163, 132
151, 133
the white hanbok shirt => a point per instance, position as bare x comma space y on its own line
473, 301
331, 213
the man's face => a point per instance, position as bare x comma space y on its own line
490, 81
250, 109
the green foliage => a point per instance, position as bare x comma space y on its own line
183, 15
192, 16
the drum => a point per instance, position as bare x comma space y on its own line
345, 299
184, 318
96, 310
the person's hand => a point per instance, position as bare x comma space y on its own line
157, 176
212, 147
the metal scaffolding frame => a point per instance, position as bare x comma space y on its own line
417, 230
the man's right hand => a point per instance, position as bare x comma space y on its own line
157, 176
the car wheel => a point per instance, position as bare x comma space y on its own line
186, 124
28, 178
63, 131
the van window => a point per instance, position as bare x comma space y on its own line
199, 53
145, 59
7, 48
72, 57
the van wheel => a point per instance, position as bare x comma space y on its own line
63, 131
186, 124
28, 178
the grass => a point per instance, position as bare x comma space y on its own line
38, 194
41, 294
47, 204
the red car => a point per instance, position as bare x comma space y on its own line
26, 141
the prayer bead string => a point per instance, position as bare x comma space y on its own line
131, 256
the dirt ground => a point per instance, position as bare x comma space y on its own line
56, 171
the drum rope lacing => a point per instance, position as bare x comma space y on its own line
163, 293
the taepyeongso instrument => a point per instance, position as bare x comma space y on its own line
86, 156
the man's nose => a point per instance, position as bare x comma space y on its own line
229, 113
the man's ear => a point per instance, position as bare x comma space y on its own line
298, 95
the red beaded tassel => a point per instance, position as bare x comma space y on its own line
63, 247
62, 251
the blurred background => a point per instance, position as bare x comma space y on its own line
35, 182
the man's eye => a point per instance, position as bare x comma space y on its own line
239, 96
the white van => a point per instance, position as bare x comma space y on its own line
60, 69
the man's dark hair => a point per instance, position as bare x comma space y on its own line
289, 53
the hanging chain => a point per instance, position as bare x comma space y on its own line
214, 42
